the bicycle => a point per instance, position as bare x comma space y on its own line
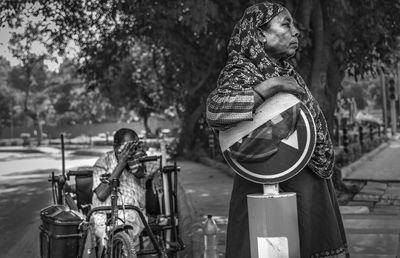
64, 230
120, 242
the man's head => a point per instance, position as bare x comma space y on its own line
123, 136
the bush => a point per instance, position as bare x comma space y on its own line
355, 151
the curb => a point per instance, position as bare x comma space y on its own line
366, 157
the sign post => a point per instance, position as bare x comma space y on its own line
393, 97
273, 220
273, 224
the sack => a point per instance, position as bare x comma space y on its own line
152, 201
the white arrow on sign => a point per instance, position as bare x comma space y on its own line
292, 141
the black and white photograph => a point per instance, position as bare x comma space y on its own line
200, 129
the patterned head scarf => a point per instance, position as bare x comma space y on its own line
244, 40
248, 65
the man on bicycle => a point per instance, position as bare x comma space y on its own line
122, 163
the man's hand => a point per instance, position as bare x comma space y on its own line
128, 150
274, 85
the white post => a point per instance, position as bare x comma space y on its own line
393, 116
167, 204
273, 224
384, 102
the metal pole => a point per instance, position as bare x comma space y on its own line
62, 154
384, 102
11, 119
271, 189
397, 84
167, 203
393, 116
61, 180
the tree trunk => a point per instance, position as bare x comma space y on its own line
188, 137
322, 74
37, 125
320, 56
39, 131
145, 117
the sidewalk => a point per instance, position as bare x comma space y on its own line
371, 217
206, 190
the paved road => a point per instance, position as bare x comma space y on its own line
371, 217
25, 191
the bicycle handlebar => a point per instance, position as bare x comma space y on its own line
149, 158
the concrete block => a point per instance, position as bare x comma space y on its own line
366, 197
390, 196
372, 225
376, 186
354, 210
374, 245
372, 191
386, 209
355, 255
394, 184
392, 193
368, 204
384, 202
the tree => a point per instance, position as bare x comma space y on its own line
71, 100
6, 99
137, 82
338, 36
358, 91
30, 76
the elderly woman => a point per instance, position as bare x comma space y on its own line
256, 69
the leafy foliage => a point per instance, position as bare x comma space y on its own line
365, 33
72, 102
6, 97
150, 55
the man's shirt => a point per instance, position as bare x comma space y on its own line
132, 190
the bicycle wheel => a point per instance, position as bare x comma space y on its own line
123, 246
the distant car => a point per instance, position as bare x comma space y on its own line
102, 135
26, 139
25, 135
142, 134
166, 132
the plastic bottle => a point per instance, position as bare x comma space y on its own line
210, 231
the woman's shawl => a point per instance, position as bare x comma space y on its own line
248, 65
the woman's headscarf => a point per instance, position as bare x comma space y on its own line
248, 65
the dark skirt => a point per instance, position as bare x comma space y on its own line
320, 223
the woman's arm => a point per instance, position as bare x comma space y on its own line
229, 105
274, 85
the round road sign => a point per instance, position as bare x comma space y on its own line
286, 157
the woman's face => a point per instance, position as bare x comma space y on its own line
280, 36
